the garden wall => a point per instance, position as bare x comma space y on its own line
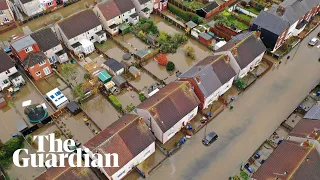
181, 6
226, 30
11, 26
220, 33
219, 8
244, 11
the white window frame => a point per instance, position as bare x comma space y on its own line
38, 73
29, 49
46, 71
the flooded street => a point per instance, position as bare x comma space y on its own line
258, 112
100, 111
49, 18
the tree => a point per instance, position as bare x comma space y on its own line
162, 59
240, 83
130, 107
142, 97
29, 139
78, 91
189, 51
69, 72
170, 66
87, 76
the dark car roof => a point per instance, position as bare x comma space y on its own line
212, 134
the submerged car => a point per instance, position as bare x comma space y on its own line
210, 138
313, 41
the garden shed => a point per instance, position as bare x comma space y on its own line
134, 71
142, 53
74, 108
113, 66
104, 76
191, 25
205, 38
209, 10
152, 40
119, 81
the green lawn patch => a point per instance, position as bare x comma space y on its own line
192, 5
245, 17
252, 9
225, 18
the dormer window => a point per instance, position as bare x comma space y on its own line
28, 49
42, 63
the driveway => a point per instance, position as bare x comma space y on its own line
258, 112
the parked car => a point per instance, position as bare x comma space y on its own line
313, 41
210, 138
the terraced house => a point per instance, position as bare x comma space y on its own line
282, 21
169, 110
144, 7
245, 52
6, 15
50, 45
130, 138
210, 78
79, 31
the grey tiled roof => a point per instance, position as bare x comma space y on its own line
113, 64
23, 42
45, 39
124, 5
270, 22
5, 62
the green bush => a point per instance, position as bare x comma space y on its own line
7, 150
170, 43
130, 107
142, 97
170, 66
87, 76
187, 16
115, 101
244, 175
240, 84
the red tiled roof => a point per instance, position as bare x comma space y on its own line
287, 157
127, 137
171, 104
305, 127
68, 173
3, 5
109, 9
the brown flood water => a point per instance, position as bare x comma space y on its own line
131, 42
49, 18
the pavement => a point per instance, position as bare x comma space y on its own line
257, 114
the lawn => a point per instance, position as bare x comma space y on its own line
231, 20
192, 5
252, 9
245, 17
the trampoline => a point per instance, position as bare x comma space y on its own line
126, 56
35, 113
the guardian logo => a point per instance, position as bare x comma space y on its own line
59, 151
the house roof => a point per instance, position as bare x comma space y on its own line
305, 127
293, 9
45, 39
5, 62
109, 9
143, 1
63, 173
290, 157
247, 47
3, 5
25, 1
113, 64
34, 58
191, 24
118, 80
104, 76
274, 22
124, 5
127, 137
79, 23
313, 113
212, 71
171, 104
22, 43
211, 6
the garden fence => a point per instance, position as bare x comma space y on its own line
181, 6
171, 20
126, 50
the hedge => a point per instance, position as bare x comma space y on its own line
115, 101
187, 16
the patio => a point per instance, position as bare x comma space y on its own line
131, 42
128, 97
143, 82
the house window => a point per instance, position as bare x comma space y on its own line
38, 73
5, 81
1, 12
50, 3
95, 28
75, 38
6, 19
42, 63
46, 71
147, 153
8, 71
54, 48
52, 59
28, 49
121, 174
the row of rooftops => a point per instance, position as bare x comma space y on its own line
280, 17
298, 157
